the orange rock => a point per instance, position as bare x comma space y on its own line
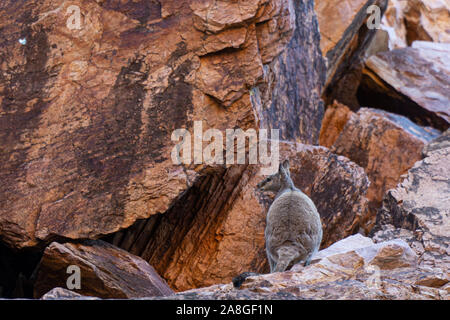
333, 123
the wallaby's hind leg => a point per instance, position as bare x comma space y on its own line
286, 255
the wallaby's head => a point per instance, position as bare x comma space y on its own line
277, 181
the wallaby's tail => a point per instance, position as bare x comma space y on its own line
240, 279
286, 255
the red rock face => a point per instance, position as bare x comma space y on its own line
87, 114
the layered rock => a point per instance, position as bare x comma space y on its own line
87, 113
410, 81
345, 39
386, 145
289, 99
408, 21
386, 270
233, 240
417, 210
105, 271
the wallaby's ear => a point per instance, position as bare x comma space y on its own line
286, 165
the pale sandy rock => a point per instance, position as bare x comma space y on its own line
379, 271
345, 245
65, 294
407, 21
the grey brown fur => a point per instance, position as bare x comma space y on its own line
293, 228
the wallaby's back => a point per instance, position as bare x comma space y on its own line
293, 230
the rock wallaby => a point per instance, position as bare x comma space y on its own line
293, 228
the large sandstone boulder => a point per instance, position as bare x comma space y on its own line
408, 21
386, 145
231, 240
87, 112
411, 81
418, 209
105, 271
386, 270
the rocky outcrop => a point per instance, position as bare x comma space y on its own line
354, 268
87, 112
345, 39
233, 240
105, 271
410, 81
417, 210
408, 21
441, 142
357, 270
384, 144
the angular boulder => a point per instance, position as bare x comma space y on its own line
289, 98
105, 271
411, 81
334, 121
386, 145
